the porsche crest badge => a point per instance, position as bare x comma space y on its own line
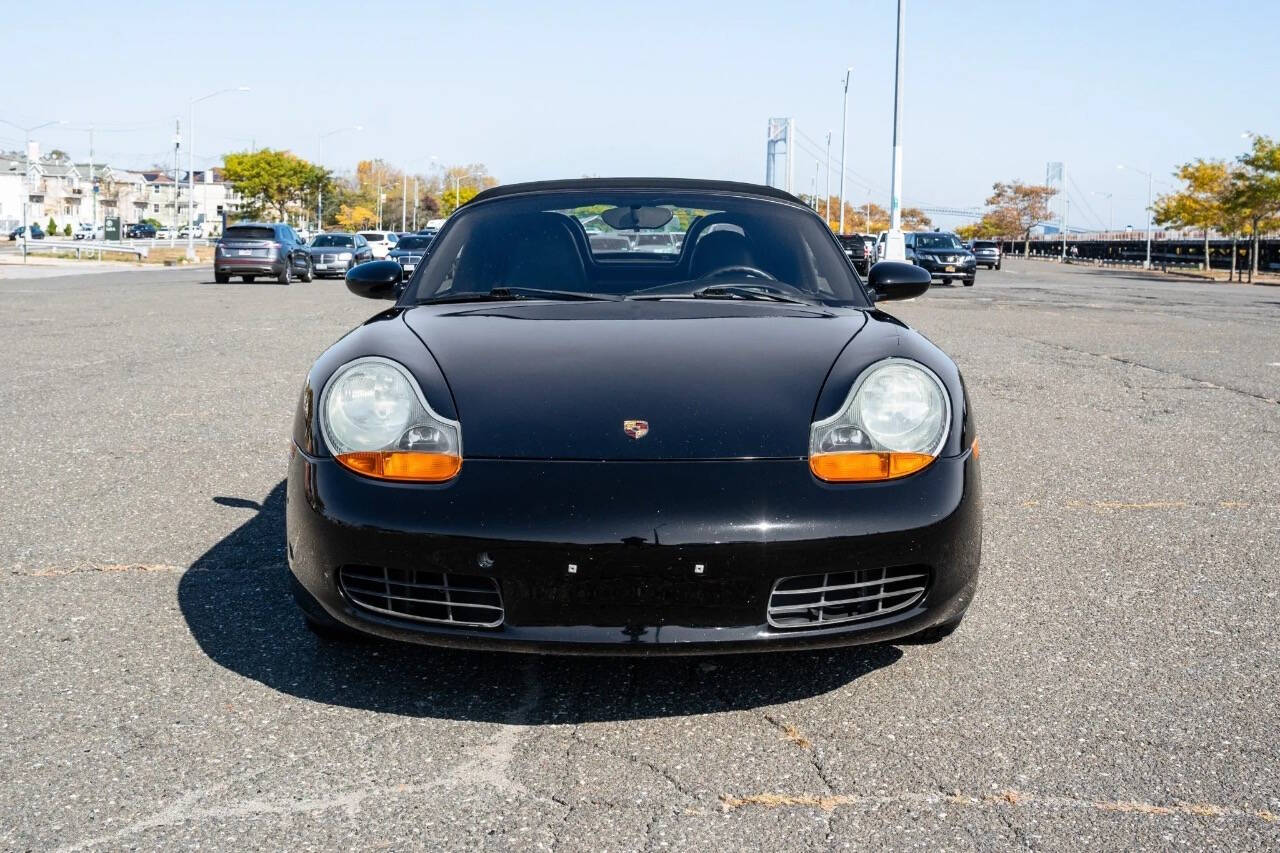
635, 429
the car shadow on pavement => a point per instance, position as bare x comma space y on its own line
236, 601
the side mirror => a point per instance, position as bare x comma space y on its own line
896, 280
375, 280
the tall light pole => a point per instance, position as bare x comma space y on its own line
26, 174
844, 132
320, 163
191, 165
827, 207
1147, 263
1110, 209
895, 244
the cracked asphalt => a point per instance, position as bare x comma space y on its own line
1114, 686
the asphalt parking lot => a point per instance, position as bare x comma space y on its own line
1114, 686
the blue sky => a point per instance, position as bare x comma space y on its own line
993, 90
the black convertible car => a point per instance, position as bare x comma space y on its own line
551, 443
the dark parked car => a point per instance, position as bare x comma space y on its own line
36, 233
409, 252
943, 255
857, 250
140, 230
986, 253
250, 250
726, 447
334, 254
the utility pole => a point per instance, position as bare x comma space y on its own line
191, 166
1066, 214
93, 190
415, 202
844, 133
827, 215
173, 220
320, 163
26, 175
895, 244
404, 197
813, 186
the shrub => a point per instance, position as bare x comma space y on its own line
66, 229
52, 228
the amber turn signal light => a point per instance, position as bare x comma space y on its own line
403, 465
866, 466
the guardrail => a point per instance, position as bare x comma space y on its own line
82, 247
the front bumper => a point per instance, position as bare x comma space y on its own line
941, 270
635, 531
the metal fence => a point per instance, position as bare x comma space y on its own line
1171, 253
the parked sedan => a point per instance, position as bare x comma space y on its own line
726, 448
334, 254
380, 242
140, 230
250, 250
409, 252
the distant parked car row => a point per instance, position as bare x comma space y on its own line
253, 250
36, 233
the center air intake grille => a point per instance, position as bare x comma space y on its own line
811, 601
424, 595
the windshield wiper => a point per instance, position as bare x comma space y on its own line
502, 294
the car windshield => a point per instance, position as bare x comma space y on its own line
323, 240
418, 243
241, 232
983, 244
937, 241
629, 243
371, 235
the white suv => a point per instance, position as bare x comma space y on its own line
381, 242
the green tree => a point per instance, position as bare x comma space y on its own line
1254, 193
52, 228
1201, 201
66, 230
1018, 207
273, 180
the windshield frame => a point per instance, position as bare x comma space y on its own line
559, 199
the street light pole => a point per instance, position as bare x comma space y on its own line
1150, 178
1110, 210
191, 166
827, 204
844, 132
320, 163
895, 243
26, 175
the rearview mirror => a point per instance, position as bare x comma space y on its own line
896, 280
375, 280
636, 217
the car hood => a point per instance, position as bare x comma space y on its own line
329, 250
712, 379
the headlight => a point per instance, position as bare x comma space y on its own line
377, 423
894, 422
345, 256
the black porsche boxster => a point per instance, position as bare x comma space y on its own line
554, 443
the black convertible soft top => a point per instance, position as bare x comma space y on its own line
688, 184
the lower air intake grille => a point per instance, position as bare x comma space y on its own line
426, 596
811, 601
